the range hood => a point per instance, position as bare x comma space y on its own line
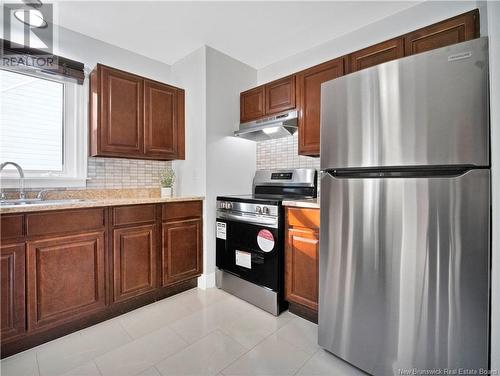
269, 128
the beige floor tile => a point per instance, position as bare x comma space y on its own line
153, 317
300, 333
325, 364
207, 356
197, 299
150, 372
87, 369
272, 356
22, 364
57, 357
140, 354
253, 326
210, 318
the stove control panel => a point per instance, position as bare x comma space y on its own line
248, 208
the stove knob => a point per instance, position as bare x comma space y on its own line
258, 210
265, 210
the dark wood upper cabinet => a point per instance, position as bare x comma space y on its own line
269, 99
12, 275
252, 104
121, 115
161, 120
454, 30
376, 54
65, 276
280, 95
134, 261
133, 117
309, 103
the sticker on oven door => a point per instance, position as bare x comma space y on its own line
244, 259
265, 240
221, 230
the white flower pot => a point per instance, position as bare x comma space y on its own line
166, 192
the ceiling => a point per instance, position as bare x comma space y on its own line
256, 33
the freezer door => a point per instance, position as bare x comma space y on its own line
404, 272
426, 109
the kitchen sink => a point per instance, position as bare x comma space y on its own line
36, 201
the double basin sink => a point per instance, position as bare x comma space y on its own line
36, 201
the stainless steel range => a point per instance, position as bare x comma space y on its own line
250, 236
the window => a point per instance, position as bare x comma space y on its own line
42, 129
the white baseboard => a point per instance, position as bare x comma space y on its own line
206, 281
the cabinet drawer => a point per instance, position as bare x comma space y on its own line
308, 218
178, 210
64, 221
12, 226
127, 215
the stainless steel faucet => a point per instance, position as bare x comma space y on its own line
22, 195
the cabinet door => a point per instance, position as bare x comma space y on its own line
160, 120
454, 30
181, 250
309, 91
252, 104
13, 316
65, 278
376, 54
122, 123
280, 95
301, 272
134, 261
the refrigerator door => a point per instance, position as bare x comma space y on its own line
404, 271
430, 109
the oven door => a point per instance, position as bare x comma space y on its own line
252, 251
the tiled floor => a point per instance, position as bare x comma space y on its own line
198, 332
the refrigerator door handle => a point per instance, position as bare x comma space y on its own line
385, 173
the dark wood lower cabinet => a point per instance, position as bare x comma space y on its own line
302, 267
13, 312
181, 250
302, 261
65, 278
134, 261
65, 270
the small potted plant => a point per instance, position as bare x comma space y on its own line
167, 179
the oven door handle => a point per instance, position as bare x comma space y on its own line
256, 220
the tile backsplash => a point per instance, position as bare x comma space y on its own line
124, 173
283, 153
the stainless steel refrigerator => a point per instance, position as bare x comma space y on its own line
405, 213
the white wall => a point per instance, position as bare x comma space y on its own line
494, 41
216, 163
400, 23
91, 51
231, 162
189, 73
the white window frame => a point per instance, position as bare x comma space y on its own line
74, 173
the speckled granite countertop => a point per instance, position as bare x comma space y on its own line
312, 203
98, 198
